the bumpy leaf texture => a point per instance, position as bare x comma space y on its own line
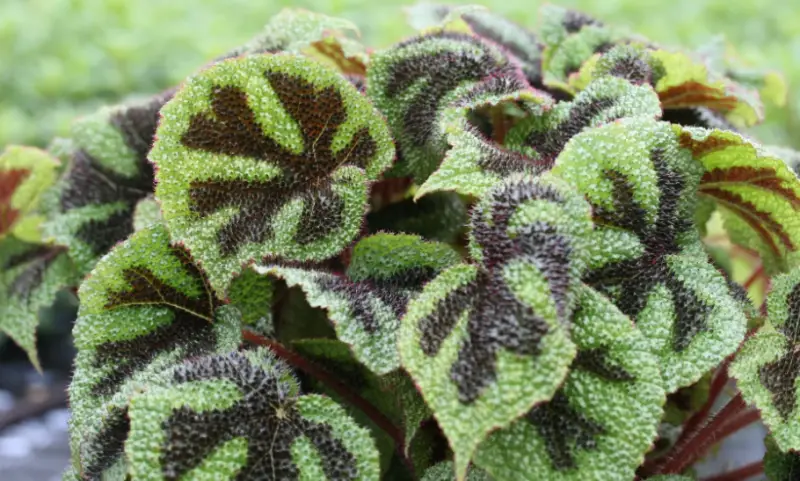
486, 341
599, 425
475, 162
757, 194
646, 253
444, 472
30, 277
767, 366
245, 420
107, 176
146, 305
326, 39
412, 82
25, 174
520, 44
365, 305
579, 48
267, 155
780, 465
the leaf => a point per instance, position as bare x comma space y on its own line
766, 368
670, 477
570, 38
235, 155
522, 45
412, 82
145, 305
365, 316
108, 175
30, 277
779, 465
444, 472
756, 192
146, 213
601, 422
246, 420
476, 163
440, 216
324, 38
486, 341
252, 294
399, 261
25, 173
645, 252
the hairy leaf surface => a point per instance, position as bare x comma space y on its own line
599, 425
267, 155
486, 341
25, 174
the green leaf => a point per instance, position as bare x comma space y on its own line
365, 316
252, 294
645, 252
602, 421
399, 260
108, 175
486, 341
145, 305
444, 472
670, 477
780, 465
146, 213
570, 38
234, 156
522, 45
245, 417
414, 81
766, 367
756, 192
441, 216
25, 173
30, 277
324, 38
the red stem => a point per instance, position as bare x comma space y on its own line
341, 389
756, 275
740, 474
694, 447
695, 422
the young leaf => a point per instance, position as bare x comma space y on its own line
246, 420
25, 173
570, 38
486, 341
413, 81
365, 307
756, 192
266, 155
766, 367
324, 38
30, 277
780, 465
108, 175
601, 422
646, 254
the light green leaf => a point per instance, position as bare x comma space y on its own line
25, 174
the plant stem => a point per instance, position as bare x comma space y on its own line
341, 389
694, 447
757, 274
717, 385
740, 474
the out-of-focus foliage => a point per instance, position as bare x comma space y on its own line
69, 56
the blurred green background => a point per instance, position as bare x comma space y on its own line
62, 58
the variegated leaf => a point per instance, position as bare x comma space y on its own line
414, 81
486, 341
25, 174
108, 175
600, 424
646, 253
267, 155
